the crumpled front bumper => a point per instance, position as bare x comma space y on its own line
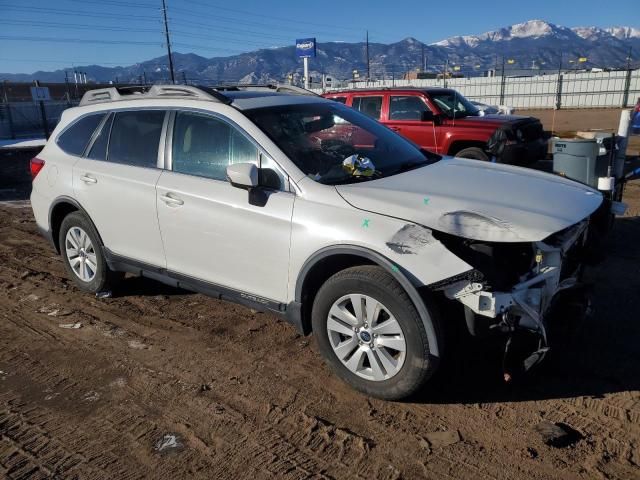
529, 300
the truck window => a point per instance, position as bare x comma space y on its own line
370, 106
406, 107
339, 99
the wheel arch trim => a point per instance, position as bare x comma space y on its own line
75, 203
388, 266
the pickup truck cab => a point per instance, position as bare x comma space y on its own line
443, 121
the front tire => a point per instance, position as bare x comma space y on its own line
370, 333
81, 252
474, 153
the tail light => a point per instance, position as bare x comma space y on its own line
35, 166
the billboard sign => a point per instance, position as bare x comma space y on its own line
40, 93
306, 47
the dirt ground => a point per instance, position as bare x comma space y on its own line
162, 383
567, 122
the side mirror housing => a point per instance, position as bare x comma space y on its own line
427, 116
243, 175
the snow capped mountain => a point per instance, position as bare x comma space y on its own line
624, 32
535, 29
531, 29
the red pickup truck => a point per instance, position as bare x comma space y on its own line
444, 121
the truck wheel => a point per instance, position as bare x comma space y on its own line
473, 152
370, 333
82, 255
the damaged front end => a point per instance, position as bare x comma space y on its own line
513, 287
521, 141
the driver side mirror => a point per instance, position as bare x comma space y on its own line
243, 175
427, 116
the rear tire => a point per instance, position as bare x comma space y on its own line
371, 334
475, 153
81, 252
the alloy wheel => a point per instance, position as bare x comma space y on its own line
81, 254
366, 337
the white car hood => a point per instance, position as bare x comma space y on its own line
478, 200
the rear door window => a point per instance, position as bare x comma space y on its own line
135, 137
406, 107
370, 106
74, 140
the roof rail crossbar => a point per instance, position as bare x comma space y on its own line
113, 94
280, 87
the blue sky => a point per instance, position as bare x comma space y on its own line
52, 34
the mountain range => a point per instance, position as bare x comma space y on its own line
535, 44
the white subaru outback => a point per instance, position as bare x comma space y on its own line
303, 207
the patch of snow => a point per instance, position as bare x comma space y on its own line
23, 143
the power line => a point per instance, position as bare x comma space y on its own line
233, 20
295, 21
57, 11
75, 25
75, 40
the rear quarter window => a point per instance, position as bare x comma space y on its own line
75, 139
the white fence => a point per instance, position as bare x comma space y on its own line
567, 90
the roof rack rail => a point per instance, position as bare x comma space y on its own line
114, 94
280, 87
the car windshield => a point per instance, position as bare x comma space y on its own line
334, 144
454, 105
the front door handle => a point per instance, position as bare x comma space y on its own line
86, 178
395, 129
170, 200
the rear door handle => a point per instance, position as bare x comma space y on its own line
86, 178
170, 200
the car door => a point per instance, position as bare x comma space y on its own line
406, 116
370, 105
115, 182
213, 231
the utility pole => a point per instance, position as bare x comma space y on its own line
9, 116
43, 115
502, 83
559, 88
368, 63
446, 71
144, 77
627, 81
166, 34
184, 77
424, 62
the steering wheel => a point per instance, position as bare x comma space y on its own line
336, 148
